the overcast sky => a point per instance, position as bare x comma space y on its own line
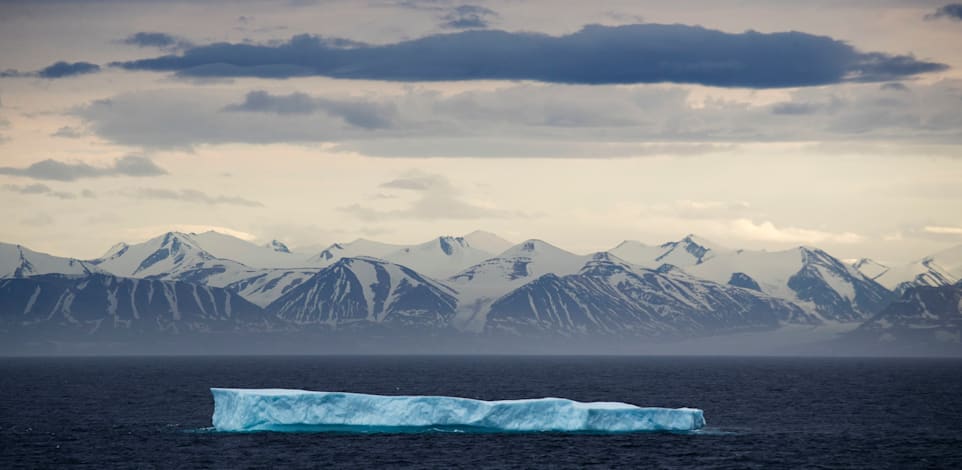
755, 124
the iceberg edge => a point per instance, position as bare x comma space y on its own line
242, 410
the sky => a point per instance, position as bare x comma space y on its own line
755, 124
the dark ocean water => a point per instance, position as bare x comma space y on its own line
151, 412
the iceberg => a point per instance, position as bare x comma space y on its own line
300, 410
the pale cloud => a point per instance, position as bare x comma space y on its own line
189, 196
767, 231
943, 230
687, 209
437, 199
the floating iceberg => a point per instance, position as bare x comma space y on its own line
300, 410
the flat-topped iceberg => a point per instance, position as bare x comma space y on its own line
301, 410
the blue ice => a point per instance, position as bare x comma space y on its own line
301, 410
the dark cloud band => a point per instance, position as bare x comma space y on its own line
641, 53
57, 70
951, 11
57, 170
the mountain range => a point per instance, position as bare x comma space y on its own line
477, 285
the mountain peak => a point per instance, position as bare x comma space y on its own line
629, 243
692, 239
117, 249
487, 241
450, 244
278, 246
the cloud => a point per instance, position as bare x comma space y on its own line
468, 16
894, 86
532, 120
158, 40
68, 132
767, 231
952, 11
57, 70
639, 53
49, 169
189, 195
358, 113
943, 230
418, 182
67, 69
437, 199
800, 107
38, 189
695, 210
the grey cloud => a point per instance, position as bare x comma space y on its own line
54, 71
468, 16
68, 132
801, 107
894, 86
67, 69
794, 108
952, 11
50, 169
639, 53
623, 18
418, 182
190, 196
538, 120
39, 189
158, 40
358, 113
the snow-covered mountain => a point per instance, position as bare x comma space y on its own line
487, 241
611, 297
870, 268
922, 317
810, 277
361, 292
172, 256
940, 269
688, 251
100, 304
20, 261
263, 286
440, 257
359, 247
484, 282
272, 255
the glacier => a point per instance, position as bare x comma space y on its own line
240, 410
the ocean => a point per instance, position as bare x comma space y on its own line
155, 412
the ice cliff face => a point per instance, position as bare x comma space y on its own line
299, 410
